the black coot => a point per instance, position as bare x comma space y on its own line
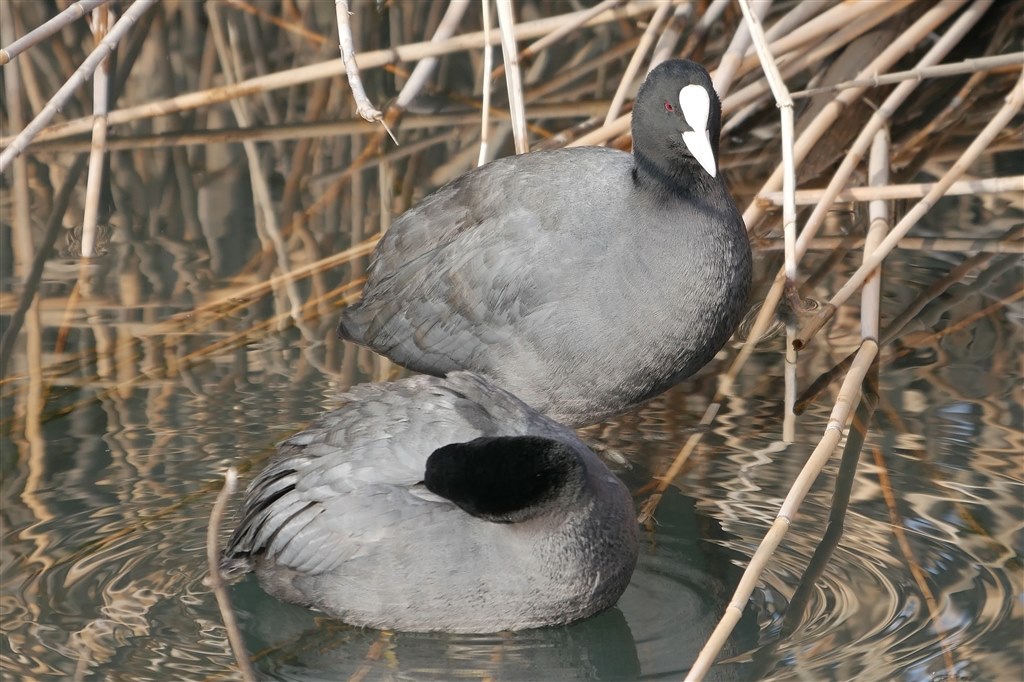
583, 280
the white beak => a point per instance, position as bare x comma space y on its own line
696, 105
699, 145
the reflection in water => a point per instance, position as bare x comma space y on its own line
104, 519
297, 646
680, 587
126, 400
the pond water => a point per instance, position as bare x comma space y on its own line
112, 457
127, 399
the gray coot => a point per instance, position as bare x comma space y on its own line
438, 504
583, 280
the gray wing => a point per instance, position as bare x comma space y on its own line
447, 289
336, 489
311, 518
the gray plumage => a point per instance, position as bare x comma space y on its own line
342, 521
583, 280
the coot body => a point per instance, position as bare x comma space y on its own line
583, 280
433, 504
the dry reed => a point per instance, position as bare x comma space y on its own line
513, 79
215, 581
340, 169
101, 83
70, 15
16, 146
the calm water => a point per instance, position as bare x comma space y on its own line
108, 484
126, 402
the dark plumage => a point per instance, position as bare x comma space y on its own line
438, 504
583, 280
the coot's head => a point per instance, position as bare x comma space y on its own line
677, 119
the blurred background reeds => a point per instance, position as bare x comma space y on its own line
182, 221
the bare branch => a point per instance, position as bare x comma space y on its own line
348, 55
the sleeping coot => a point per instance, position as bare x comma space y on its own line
438, 504
583, 280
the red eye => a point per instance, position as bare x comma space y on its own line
668, 106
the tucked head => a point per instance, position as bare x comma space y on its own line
677, 119
506, 479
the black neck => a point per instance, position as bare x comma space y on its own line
685, 179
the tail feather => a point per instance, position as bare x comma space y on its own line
350, 326
234, 566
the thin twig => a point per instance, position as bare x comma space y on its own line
215, 581
244, 295
319, 129
1012, 105
289, 26
513, 79
18, 144
339, 296
977, 65
665, 480
376, 649
569, 74
70, 15
978, 315
348, 55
